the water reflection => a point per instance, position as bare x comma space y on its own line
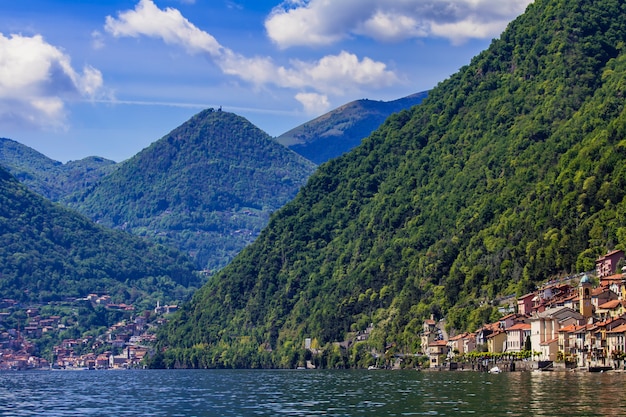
310, 393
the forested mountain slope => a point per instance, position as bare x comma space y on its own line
52, 179
50, 253
340, 130
206, 188
511, 171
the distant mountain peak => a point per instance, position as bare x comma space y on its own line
340, 130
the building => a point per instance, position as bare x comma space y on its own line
606, 265
545, 326
437, 352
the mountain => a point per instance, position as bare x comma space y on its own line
50, 253
512, 171
52, 179
206, 188
340, 130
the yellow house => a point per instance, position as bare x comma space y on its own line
496, 342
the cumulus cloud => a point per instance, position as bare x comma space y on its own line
313, 103
321, 22
36, 80
169, 25
333, 74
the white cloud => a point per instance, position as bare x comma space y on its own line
322, 22
313, 103
36, 79
169, 25
333, 74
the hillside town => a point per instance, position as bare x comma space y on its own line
121, 346
566, 324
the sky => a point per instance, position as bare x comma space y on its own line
82, 78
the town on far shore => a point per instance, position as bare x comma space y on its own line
567, 324
122, 345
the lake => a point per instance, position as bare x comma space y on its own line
310, 393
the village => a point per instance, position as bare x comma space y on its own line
568, 323
122, 346
565, 324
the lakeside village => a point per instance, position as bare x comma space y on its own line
565, 324
121, 346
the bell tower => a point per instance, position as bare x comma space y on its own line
584, 296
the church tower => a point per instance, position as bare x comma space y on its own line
584, 296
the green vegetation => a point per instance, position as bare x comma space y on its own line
50, 253
342, 129
206, 188
510, 172
50, 178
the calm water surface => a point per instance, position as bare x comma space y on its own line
310, 393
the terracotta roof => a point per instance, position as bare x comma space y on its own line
614, 277
567, 329
438, 343
458, 337
610, 305
619, 329
519, 326
547, 342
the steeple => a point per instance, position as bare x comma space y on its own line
584, 295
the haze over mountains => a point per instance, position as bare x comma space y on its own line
510, 172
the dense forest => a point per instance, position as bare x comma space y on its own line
512, 171
49, 178
51, 253
340, 130
207, 188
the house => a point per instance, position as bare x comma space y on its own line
429, 333
437, 352
601, 295
606, 265
597, 349
610, 309
525, 303
616, 340
496, 341
457, 344
615, 283
516, 336
544, 328
102, 361
482, 334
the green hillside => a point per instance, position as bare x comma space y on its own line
340, 130
50, 253
511, 171
52, 179
206, 188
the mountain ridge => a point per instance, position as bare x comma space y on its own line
207, 187
508, 173
336, 132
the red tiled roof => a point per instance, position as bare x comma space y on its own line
610, 305
619, 329
547, 342
519, 326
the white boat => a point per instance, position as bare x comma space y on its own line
495, 370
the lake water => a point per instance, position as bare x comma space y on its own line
310, 393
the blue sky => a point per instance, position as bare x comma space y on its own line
107, 78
